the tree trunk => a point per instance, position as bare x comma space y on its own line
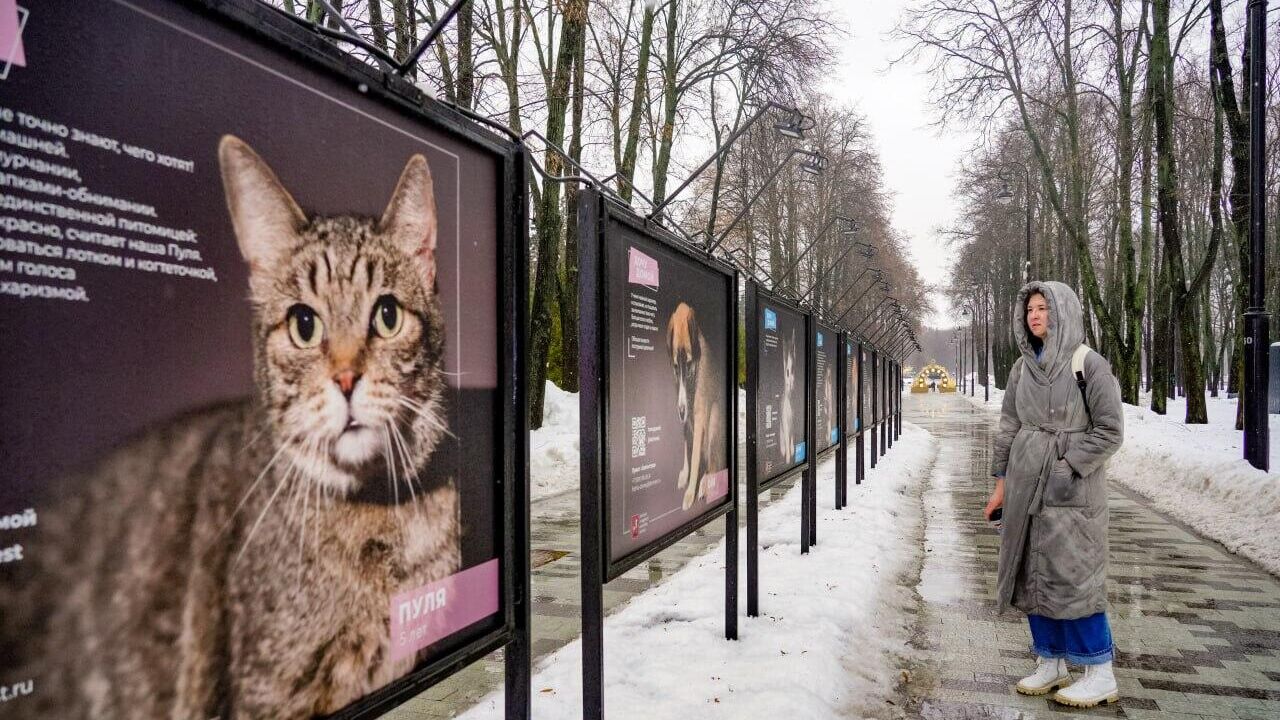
627, 168
1236, 115
1162, 100
548, 226
569, 281
670, 98
377, 24
466, 60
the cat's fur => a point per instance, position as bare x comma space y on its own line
229, 563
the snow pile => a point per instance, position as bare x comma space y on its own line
553, 448
1197, 474
831, 628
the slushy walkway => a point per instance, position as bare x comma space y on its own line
1197, 629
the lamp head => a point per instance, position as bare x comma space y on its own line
815, 164
1004, 197
792, 127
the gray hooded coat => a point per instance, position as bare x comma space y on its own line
1053, 551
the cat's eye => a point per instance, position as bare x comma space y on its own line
306, 329
388, 317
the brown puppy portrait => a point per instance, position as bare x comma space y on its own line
699, 404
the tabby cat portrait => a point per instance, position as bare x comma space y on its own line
239, 561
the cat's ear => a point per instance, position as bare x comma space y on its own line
265, 217
410, 218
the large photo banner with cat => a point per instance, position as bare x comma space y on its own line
670, 370
781, 403
826, 374
254, 449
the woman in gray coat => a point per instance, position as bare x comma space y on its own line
1050, 466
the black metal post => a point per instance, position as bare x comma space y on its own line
590, 404
731, 519
875, 400
1257, 434
859, 451
897, 422
884, 403
1027, 202
811, 421
518, 655
973, 348
889, 400
806, 475
986, 346
842, 415
752, 449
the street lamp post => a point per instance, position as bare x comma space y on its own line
1257, 434
849, 229
986, 346
955, 340
867, 251
813, 166
884, 287
1005, 197
793, 127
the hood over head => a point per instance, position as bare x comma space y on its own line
1066, 327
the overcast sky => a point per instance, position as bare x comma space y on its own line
919, 162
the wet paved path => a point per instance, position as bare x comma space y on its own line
1197, 629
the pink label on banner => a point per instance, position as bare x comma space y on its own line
11, 51
439, 609
717, 484
643, 270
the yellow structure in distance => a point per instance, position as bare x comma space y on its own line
933, 378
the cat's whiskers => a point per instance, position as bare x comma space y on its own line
388, 456
305, 482
284, 445
427, 414
284, 480
323, 454
411, 473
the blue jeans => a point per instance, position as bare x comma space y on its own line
1083, 641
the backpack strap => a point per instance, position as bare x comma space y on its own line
1077, 369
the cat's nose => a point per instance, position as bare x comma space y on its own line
346, 382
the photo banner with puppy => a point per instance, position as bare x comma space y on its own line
668, 430
781, 403
258, 313
826, 374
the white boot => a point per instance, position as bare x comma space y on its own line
1050, 675
1096, 687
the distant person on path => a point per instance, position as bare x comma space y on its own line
1050, 466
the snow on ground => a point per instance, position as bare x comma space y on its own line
553, 448
1196, 473
831, 628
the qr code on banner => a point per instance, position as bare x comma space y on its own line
638, 436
